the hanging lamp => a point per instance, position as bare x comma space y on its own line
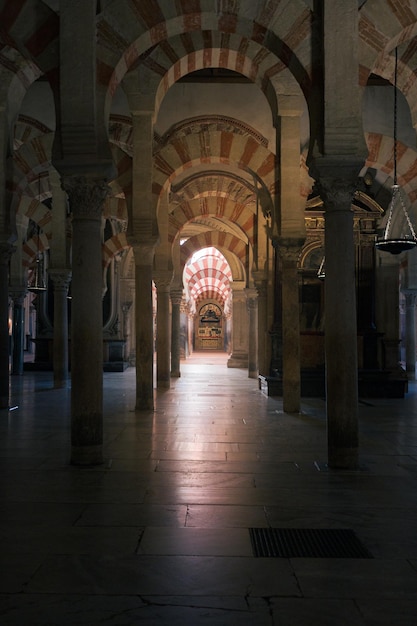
37, 282
387, 243
321, 272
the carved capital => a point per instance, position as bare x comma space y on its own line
61, 278
337, 179
144, 253
176, 296
251, 299
289, 249
337, 194
86, 196
162, 279
410, 297
17, 293
6, 251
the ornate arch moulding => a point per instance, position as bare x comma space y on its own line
252, 34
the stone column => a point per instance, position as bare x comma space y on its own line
60, 274
252, 304
340, 327
142, 232
162, 280
263, 360
289, 250
18, 330
410, 333
86, 197
239, 356
276, 329
186, 330
176, 299
61, 280
5, 254
387, 308
126, 310
365, 247
343, 156
144, 254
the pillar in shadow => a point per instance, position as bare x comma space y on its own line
163, 281
252, 304
176, 300
18, 331
61, 281
5, 254
86, 198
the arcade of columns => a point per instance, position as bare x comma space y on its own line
266, 308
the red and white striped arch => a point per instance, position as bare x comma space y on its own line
208, 275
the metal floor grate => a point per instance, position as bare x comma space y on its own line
307, 543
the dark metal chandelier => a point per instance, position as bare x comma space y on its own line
388, 243
321, 272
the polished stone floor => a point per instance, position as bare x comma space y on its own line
159, 533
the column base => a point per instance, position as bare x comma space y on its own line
144, 404
4, 403
238, 361
87, 455
343, 458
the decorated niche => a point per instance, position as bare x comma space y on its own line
209, 327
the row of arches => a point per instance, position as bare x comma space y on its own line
154, 129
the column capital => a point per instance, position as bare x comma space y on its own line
251, 294
410, 297
6, 251
17, 293
260, 280
140, 91
238, 290
337, 179
61, 278
176, 296
162, 279
289, 105
289, 248
86, 195
144, 252
251, 299
259, 276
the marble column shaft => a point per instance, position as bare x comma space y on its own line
252, 304
410, 332
289, 250
340, 325
86, 197
263, 354
144, 327
143, 237
176, 299
239, 356
18, 331
387, 309
276, 329
5, 254
61, 280
163, 328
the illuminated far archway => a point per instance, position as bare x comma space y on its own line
207, 281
